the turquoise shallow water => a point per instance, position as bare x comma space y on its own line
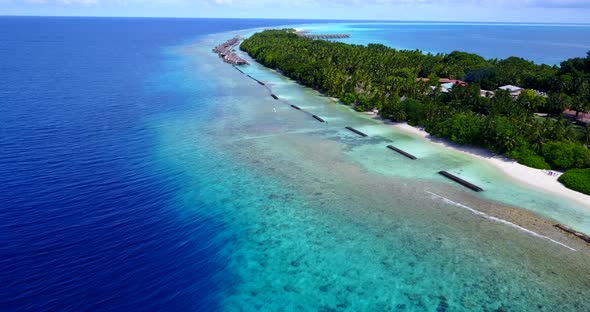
315, 218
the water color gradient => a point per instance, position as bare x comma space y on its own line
139, 172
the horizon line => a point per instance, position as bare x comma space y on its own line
300, 19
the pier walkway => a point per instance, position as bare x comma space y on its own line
306, 34
325, 36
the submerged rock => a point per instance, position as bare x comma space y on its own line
326, 309
442, 306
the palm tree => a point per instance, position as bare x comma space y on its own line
569, 132
536, 137
585, 135
561, 130
582, 99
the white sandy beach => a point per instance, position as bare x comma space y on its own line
537, 178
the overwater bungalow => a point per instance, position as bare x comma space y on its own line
225, 51
326, 36
306, 34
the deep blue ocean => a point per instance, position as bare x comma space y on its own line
91, 217
86, 218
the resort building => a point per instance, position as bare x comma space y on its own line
446, 84
444, 81
486, 93
514, 90
582, 118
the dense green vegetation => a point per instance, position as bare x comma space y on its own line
577, 179
377, 77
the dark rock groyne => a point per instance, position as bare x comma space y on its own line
580, 235
393, 148
461, 181
356, 131
318, 118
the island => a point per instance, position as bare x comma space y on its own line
533, 113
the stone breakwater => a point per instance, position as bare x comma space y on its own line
225, 51
573, 232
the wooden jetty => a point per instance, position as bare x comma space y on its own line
393, 148
356, 131
307, 34
461, 181
325, 36
566, 229
225, 51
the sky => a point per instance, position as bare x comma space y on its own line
526, 11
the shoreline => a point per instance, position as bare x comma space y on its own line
526, 176
536, 178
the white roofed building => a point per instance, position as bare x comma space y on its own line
514, 90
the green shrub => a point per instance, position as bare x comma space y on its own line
415, 111
393, 109
566, 155
502, 134
577, 180
463, 128
528, 157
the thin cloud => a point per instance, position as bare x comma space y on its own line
327, 3
574, 4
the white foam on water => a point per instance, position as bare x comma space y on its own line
487, 216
